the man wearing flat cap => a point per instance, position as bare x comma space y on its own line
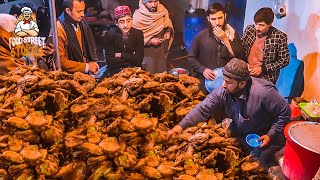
27, 26
126, 43
253, 104
152, 18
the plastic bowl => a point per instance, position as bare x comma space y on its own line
177, 71
217, 82
252, 140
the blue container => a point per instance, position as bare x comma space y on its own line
193, 23
252, 140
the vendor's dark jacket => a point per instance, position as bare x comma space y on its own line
263, 109
132, 51
208, 52
275, 52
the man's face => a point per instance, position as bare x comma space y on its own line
262, 28
125, 23
77, 12
152, 5
217, 19
27, 15
232, 86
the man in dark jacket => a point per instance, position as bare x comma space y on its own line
266, 47
253, 104
215, 46
127, 47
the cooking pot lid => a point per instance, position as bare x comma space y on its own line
307, 135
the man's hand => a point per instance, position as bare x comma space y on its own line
209, 74
93, 67
265, 141
155, 41
220, 34
117, 55
255, 71
167, 35
174, 132
48, 49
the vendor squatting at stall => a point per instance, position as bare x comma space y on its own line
254, 105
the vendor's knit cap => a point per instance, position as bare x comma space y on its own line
236, 69
121, 11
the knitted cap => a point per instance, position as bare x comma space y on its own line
236, 69
121, 11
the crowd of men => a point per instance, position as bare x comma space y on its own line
251, 63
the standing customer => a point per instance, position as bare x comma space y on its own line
214, 46
126, 43
77, 47
266, 47
152, 18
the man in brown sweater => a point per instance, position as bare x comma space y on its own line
77, 47
9, 59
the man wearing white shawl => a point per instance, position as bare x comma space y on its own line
152, 18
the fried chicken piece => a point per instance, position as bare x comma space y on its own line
28, 136
16, 169
104, 168
18, 123
15, 144
92, 149
151, 172
168, 170
110, 145
12, 157
49, 167
19, 109
141, 122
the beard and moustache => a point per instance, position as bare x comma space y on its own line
152, 9
223, 27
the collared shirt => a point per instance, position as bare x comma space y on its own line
255, 57
264, 111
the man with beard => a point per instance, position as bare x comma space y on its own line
266, 47
126, 43
253, 104
214, 46
77, 47
152, 18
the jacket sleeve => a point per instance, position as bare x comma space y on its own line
136, 58
204, 110
279, 109
283, 57
67, 64
193, 55
245, 44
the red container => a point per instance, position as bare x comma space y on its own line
301, 155
295, 112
